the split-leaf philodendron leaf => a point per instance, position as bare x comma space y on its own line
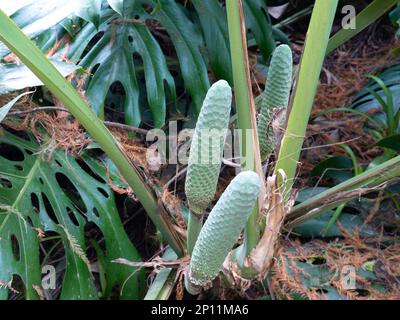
58, 193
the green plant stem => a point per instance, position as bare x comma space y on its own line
333, 219
245, 109
357, 170
195, 223
370, 14
295, 17
165, 281
387, 106
368, 179
310, 69
34, 59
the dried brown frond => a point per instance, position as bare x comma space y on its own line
353, 251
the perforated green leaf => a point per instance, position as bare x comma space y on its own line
187, 40
112, 56
55, 192
90, 11
34, 17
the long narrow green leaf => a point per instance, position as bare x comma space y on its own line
371, 178
249, 148
117, 5
310, 69
366, 17
26, 50
5, 109
16, 77
164, 282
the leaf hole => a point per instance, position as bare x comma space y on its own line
35, 202
322, 291
103, 192
20, 134
30, 222
96, 212
18, 285
49, 208
70, 191
19, 167
72, 217
319, 261
95, 68
91, 43
11, 152
362, 292
85, 167
15, 247
5, 183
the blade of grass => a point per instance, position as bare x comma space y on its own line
357, 170
370, 14
305, 90
388, 106
34, 59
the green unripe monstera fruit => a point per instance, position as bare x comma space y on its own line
275, 97
223, 227
207, 147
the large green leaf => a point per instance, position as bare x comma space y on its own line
391, 142
109, 55
10, 7
35, 17
213, 22
90, 11
187, 39
215, 30
30, 54
338, 168
112, 54
364, 101
257, 20
314, 228
113, 57
16, 77
62, 195
370, 14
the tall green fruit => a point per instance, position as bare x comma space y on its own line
275, 98
206, 154
222, 228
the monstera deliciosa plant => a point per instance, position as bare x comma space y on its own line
117, 42
50, 195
